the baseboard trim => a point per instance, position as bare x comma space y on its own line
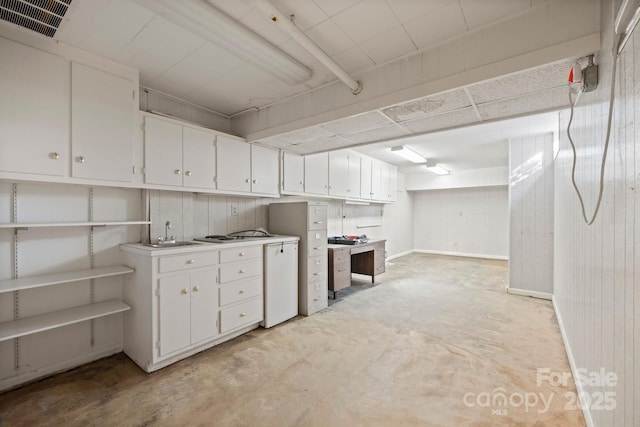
462, 254
572, 363
389, 258
527, 293
27, 377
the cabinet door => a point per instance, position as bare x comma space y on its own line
384, 182
376, 173
34, 111
316, 173
353, 189
264, 170
292, 172
393, 183
102, 117
174, 315
198, 158
338, 173
204, 305
233, 165
365, 178
162, 152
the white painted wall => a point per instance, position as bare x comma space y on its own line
466, 221
53, 250
484, 177
597, 267
531, 215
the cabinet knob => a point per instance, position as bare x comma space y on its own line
54, 156
243, 314
247, 180
188, 173
190, 261
242, 291
241, 254
254, 181
301, 182
196, 289
177, 171
241, 271
185, 291
80, 159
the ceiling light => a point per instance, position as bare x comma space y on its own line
408, 153
210, 23
438, 169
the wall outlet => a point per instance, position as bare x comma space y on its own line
233, 208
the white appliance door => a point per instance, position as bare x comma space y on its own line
280, 283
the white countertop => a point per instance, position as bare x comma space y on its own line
140, 248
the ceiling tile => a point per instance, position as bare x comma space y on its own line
443, 121
388, 46
353, 60
306, 13
555, 98
331, 143
298, 137
366, 19
330, 37
333, 7
199, 68
236, 9
443, 23
91, 28
478, 14
408, 10
260, 24
320, 76
529, 81
379, 134
428, 105
158, 47
357, 123
294, 50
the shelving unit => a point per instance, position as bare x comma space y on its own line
55, 319
70, 224
58, 278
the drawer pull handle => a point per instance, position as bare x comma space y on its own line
316, 274
241, 271
316, 299
242, 291
185, 291
243, 314
196, 289
190, 261
317, 222
241, 254
317, 248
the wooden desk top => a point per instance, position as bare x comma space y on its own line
359, 247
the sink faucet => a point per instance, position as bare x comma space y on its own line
166, 238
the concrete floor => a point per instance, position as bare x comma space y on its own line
436, 342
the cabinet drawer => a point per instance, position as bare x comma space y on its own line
379, 269
241, 290
341, 255
238, 254
317, 243
186, 261
317, 217
240, 314
340, 277
240, 270
317, 271
317, 298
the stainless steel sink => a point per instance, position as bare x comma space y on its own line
170, 245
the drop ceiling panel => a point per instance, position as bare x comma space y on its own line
379, 134
366, 19
306, 12
259, 23
443, 23
479, 13
356, 123
389, 45
429, 105
333, 7
330, 37
353, 60
442, 121
530, 81
546, 100
331, 143
158, 47
90, 26
235, 9
300, 136
406, 11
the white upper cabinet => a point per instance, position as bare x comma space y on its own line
292, 173
353, 190
34, 111
233, 165
264, 170
393, 183
178, 155
384, 182
316, 174
376, 183
365, 178
338, 173
102, 114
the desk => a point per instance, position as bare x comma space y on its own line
362, 258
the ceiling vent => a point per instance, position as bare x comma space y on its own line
41, 16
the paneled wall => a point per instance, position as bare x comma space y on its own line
531, 215
465, 221
52, 250
597, 267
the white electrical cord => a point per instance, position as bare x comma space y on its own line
614, 69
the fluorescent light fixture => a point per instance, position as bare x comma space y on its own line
626, 20
438, 169
408, 153
213, 25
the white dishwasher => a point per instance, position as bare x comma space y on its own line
280, 282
